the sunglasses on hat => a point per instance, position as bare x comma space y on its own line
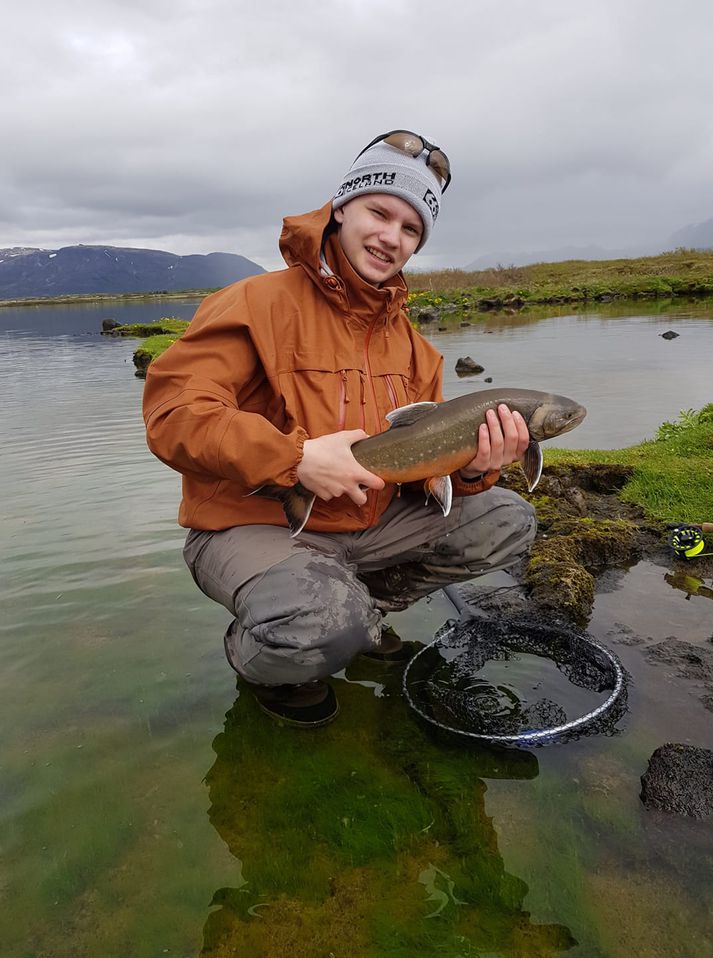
413, 145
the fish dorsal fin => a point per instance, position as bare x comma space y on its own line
405, 415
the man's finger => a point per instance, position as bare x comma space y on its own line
370, 480
495, 431
510, 431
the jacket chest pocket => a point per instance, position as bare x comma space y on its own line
325, 396
320, 397
397, 389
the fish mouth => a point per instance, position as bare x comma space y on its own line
550, 420
571, 422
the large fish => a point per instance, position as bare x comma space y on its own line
430, 440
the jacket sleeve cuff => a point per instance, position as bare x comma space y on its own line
462, 487
300, 437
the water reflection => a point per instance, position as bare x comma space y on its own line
689, 584
371, 835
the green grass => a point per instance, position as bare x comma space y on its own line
166, 326
673, 473
679, 273
157, 337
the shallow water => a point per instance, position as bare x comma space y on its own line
147, 808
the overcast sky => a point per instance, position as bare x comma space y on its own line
196, 125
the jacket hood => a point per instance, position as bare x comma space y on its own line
303, 240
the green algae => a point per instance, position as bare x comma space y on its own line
564, 832
366, 831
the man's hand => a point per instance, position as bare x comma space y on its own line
328, 468
500, 441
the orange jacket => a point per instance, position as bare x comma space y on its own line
276, 359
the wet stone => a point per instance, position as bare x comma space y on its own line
689, 661
679, 780
466, 366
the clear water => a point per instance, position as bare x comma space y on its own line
617, 365
147, 808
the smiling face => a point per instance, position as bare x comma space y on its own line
378, 233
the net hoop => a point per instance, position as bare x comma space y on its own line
535, 736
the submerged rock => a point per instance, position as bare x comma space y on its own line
686, 661
670, 334
679, 779
690, 661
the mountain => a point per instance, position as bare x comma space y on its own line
694, 236
114, 269
491, 260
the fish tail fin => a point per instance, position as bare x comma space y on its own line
532, 464
441, 488
295, 500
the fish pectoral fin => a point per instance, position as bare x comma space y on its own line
405, 415
532, 464
441, 488
295, 500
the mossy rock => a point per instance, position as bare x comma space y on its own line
563, 564
149, 350
563, 586
598, 544
167, 326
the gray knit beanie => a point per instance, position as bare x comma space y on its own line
384, 169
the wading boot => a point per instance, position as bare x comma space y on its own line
390, 648
310, 705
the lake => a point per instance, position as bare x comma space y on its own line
149, 808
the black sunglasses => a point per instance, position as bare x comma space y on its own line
413, 145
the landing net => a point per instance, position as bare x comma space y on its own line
516, 682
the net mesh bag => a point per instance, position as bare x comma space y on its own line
458, 684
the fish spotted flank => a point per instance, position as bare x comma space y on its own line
429, 441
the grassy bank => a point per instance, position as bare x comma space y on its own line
672, 477
93, 299
157, 337
680, 273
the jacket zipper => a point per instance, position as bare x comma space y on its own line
343, 400
370, 379
392, 393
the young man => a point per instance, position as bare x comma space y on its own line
275, 379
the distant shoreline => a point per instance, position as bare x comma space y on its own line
93, 299
679, 274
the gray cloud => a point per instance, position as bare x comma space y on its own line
196, 126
